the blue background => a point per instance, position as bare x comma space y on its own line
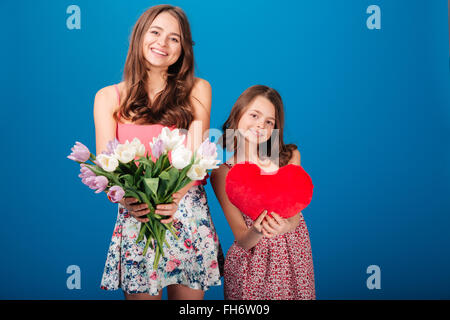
369, 110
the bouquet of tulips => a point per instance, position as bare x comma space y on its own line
118, 173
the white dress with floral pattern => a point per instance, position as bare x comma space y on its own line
192, 260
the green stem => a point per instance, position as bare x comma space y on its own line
171, 229
168, 168
141, 234
146, 247
167, 244
157, 257
154, 234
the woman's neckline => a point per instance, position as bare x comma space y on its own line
136, 124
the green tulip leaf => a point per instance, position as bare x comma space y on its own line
151, 186
128, 179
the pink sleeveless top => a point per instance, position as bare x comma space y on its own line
145, 133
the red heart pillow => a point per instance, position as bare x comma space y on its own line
286, 192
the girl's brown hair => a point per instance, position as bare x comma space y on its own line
275, 142
172, 106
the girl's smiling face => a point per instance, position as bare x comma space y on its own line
258, 120
162, 42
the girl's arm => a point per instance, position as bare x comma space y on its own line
245, 237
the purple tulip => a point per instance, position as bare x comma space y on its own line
85, 173
116, 194
89, 181
207, 150
79, 153
111, 147
98, 183
158, 148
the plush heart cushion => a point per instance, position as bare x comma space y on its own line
252, 190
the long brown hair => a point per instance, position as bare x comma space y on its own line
172, 106
275, 142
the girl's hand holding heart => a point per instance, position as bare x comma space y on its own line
270, 227
276, 225
257, 226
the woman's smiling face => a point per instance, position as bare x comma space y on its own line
258, 120
162, 42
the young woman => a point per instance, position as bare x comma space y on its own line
159, 89
271, 257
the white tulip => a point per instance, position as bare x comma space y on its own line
140, 148
208, 164
125, 152
107, 163
196, 172
171, 139
181, 157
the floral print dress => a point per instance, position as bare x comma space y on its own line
194, 260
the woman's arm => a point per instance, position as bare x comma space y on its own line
201, 102
105, 130
105, 125
245, 237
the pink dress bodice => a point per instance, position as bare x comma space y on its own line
145, 133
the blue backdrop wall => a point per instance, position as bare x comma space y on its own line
368, 108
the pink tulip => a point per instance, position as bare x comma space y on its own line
98, 183
111, 147
85, 173
115, 194
89, 181
158, 148
207, 150
79, 153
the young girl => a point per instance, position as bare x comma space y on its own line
270, 257
159, 89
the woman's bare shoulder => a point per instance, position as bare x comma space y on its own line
201, 85
105, 94
107, 97
201, 97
